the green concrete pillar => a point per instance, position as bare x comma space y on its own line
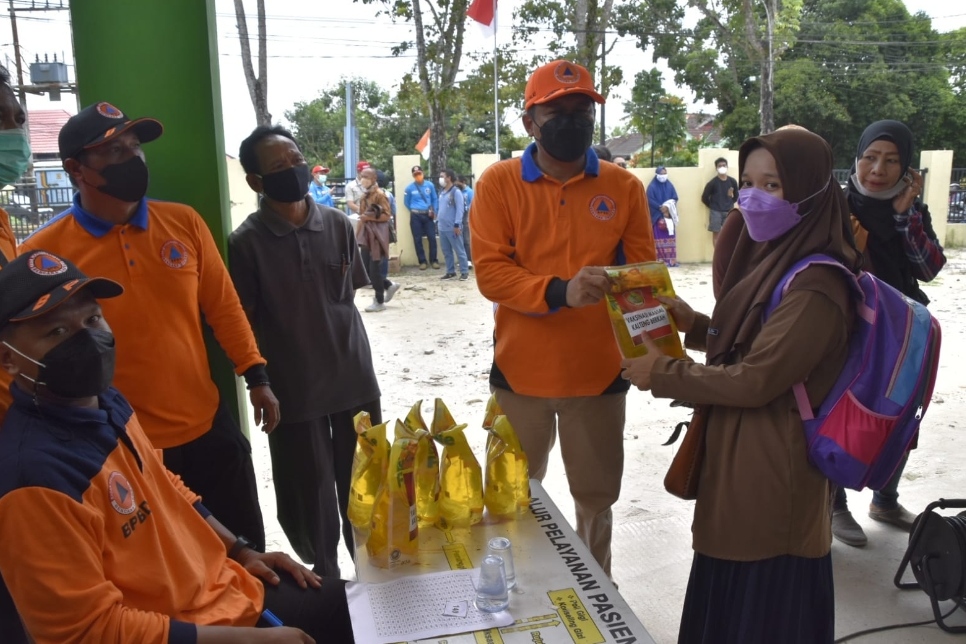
160, 58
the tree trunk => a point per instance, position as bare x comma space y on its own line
257, 85
767, 105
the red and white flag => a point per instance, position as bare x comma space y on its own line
423, 145
484, 12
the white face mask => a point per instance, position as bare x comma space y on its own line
722, 169
662, 178
882, 195
442, 182
321, 178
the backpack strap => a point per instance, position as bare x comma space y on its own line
862, 309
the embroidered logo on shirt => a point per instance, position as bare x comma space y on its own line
174, 254
603, 208
108, 110
46, 264
565, 73
121, 494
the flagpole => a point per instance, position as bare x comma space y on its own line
496, 87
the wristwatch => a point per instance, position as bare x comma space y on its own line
240, 544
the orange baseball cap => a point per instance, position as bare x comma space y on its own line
556, 79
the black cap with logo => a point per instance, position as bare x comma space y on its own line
38, 282
101, 122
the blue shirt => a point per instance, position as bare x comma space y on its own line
450, 213
321, 195
421, 197
467, 198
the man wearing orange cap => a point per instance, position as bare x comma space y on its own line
543, 227
321, 194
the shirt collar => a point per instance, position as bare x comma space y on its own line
281, 227
112, 409
531, 171
98, 227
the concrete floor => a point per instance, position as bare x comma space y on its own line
652, 538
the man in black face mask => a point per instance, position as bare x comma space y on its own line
164, 256
91, 521
543, 227
297, 267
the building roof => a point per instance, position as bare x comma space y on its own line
702, 126
44, 127
626, 146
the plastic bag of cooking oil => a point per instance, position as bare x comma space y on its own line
634, 309
394, 530
507, 489
368, 469
460, 475
427, 465
493, 410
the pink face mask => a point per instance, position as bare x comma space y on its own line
767, 216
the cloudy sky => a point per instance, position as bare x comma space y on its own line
312, 45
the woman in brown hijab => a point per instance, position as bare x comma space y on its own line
762, 568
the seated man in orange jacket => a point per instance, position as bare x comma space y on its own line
101, 542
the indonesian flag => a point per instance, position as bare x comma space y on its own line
483, 12
423, 145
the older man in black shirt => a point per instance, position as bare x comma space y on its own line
296, 267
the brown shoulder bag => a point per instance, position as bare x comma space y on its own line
682, 477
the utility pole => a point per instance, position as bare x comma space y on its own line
16, 57
603, 88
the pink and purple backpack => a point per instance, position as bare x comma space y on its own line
865, 425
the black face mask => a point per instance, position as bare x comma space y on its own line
566, 137
127, 181
289, 185
79, 367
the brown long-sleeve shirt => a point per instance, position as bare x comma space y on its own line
758, 496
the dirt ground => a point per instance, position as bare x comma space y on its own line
434, 340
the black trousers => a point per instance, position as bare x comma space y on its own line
218, 466
312, 469
323, 613
11, 628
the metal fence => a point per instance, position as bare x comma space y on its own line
957, 197
30, 207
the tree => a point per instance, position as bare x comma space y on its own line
439, 27
257, 85
732, 41
579, 28
387, 125
859, 61
659, 117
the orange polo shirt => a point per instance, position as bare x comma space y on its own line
8, 246
172, 273
101, 543
528, 228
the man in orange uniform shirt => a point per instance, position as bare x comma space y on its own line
543, 227
101, 543
164, 256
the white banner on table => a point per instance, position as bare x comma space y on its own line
418, 607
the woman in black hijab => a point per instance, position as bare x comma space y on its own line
893, 230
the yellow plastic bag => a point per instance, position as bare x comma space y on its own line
394, 532
507, 489
460, 475
493, 410
427, 465
634, 309
368, 469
